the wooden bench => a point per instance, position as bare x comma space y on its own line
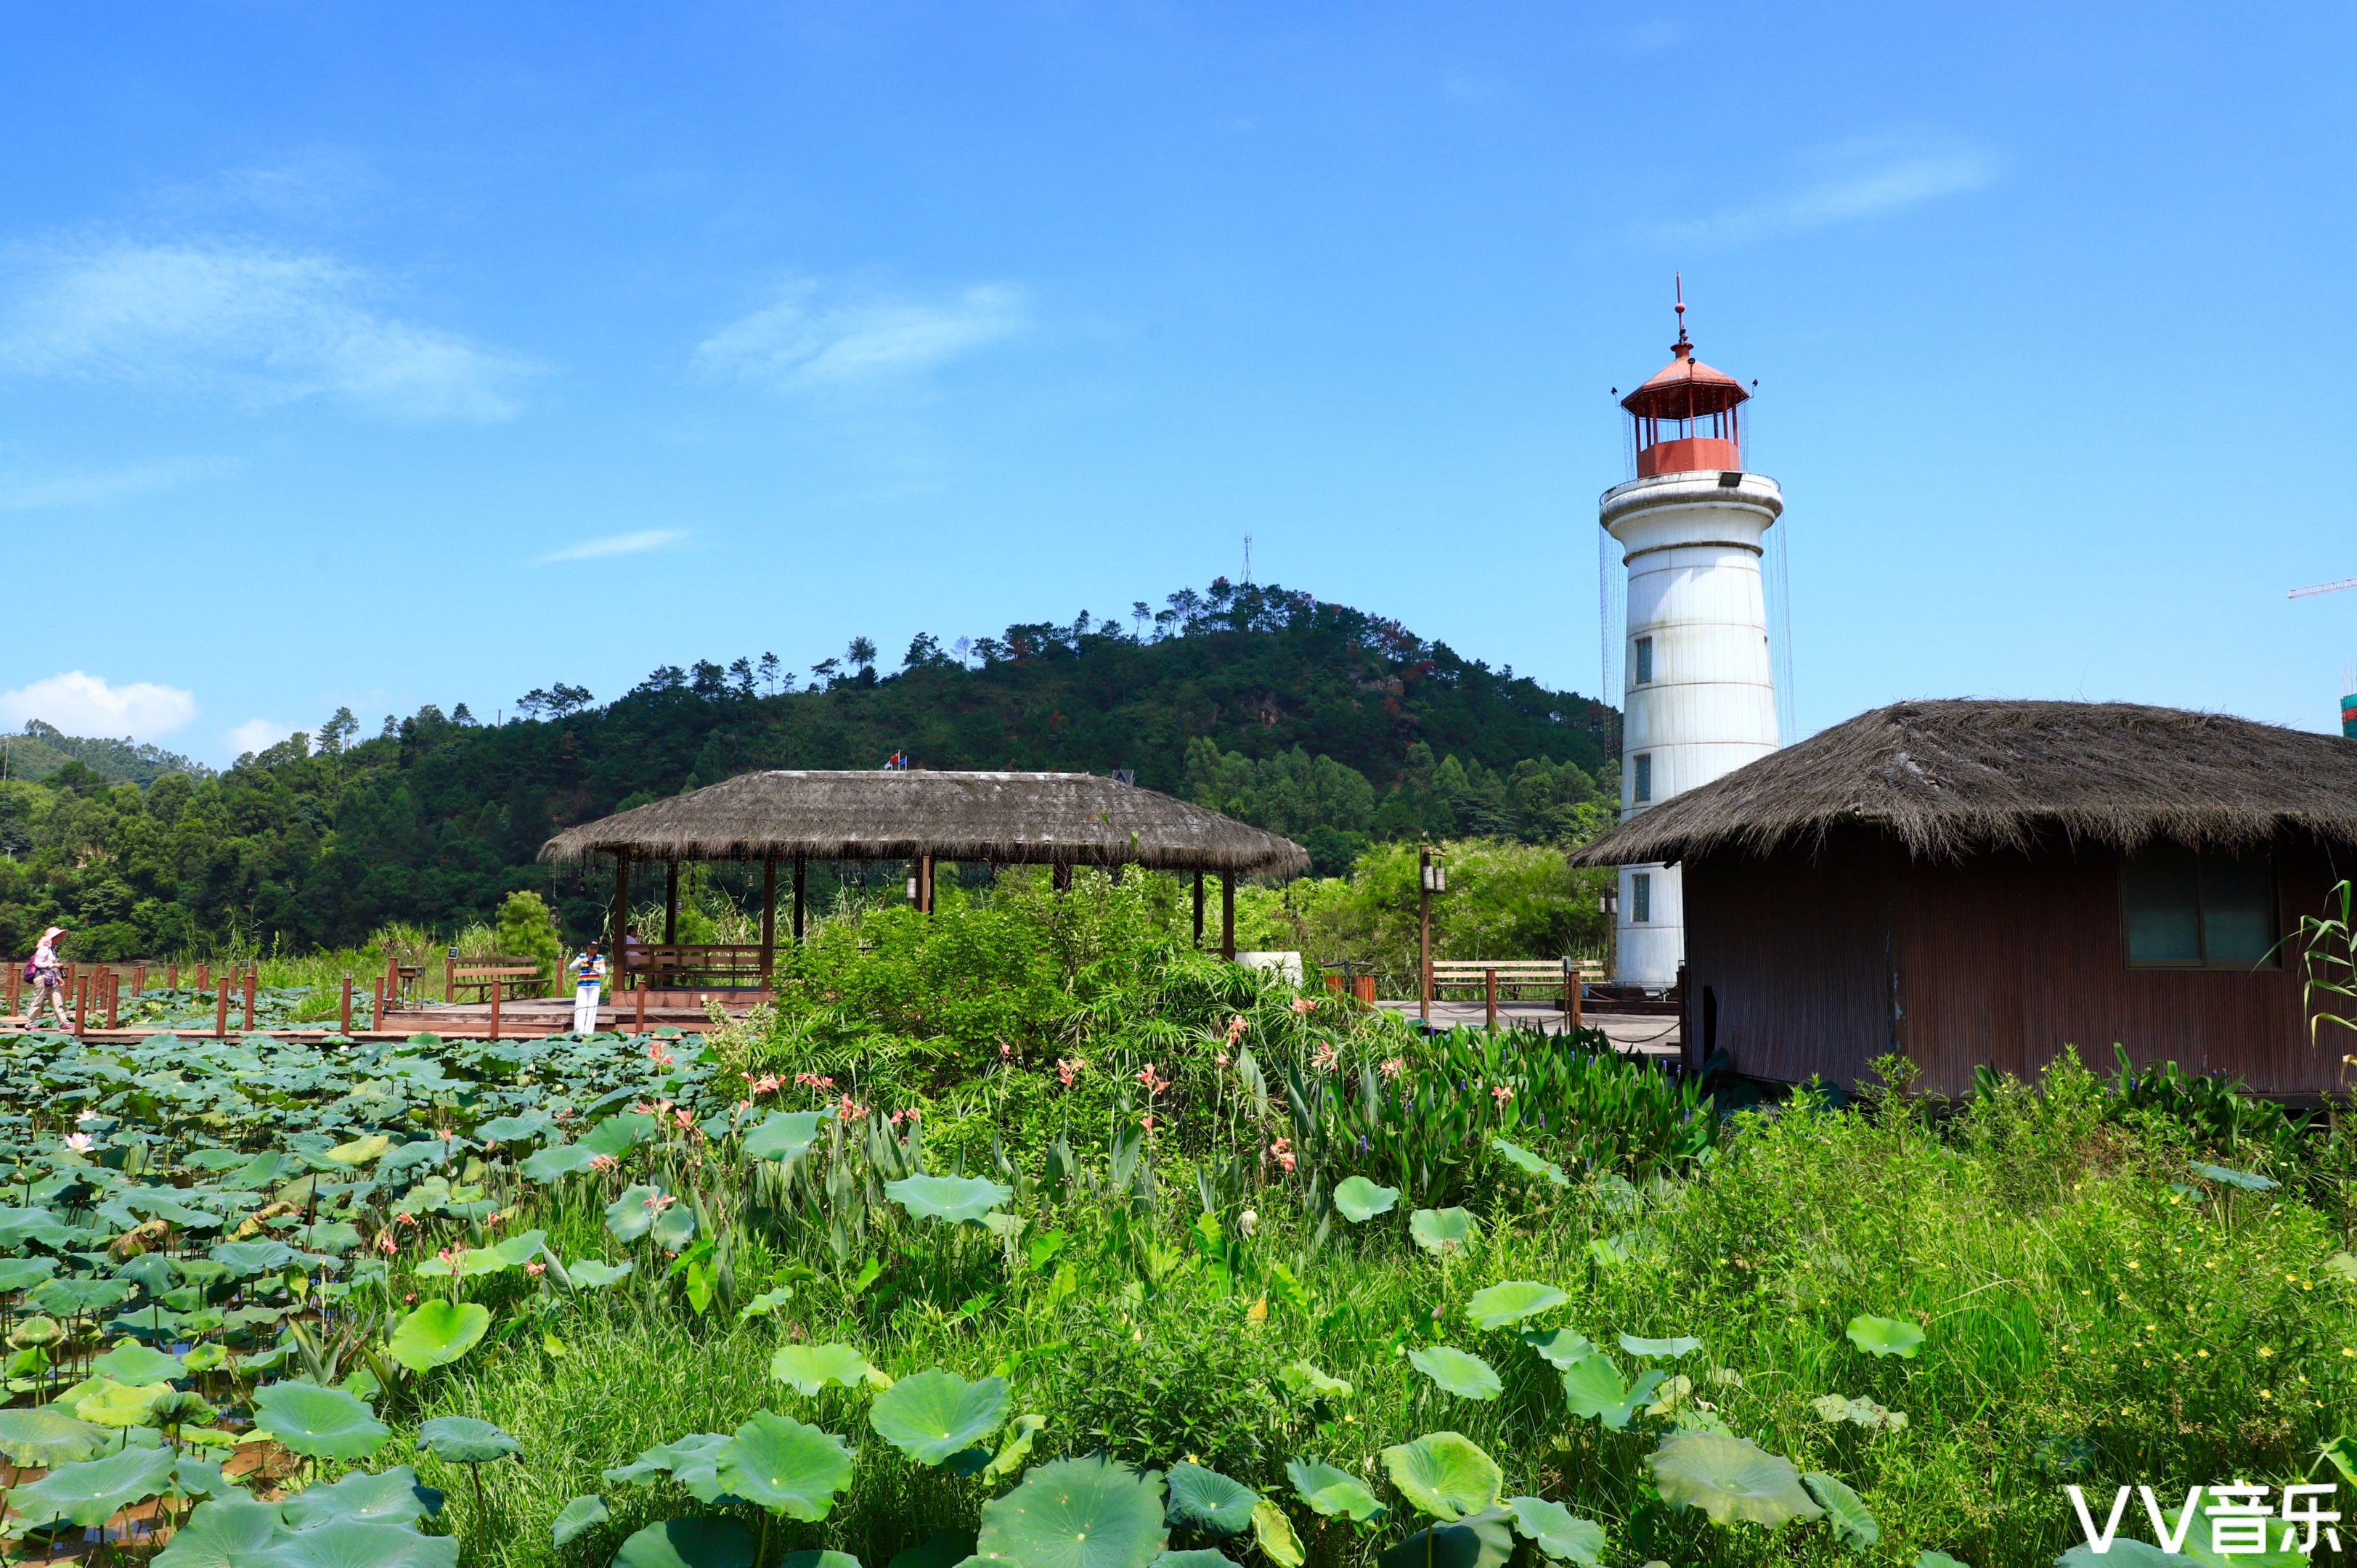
663, 966
512, 976
1561, 977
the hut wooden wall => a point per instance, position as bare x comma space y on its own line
2004, 959
1790, 950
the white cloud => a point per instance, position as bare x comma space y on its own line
807, 339
254, 735
615, 544
260, 324
58, 492
1856, 180
81, 704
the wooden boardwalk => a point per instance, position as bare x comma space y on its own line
1647, 1033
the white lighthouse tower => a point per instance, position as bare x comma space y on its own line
1700, 699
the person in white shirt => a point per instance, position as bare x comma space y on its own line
588, 971
45, 982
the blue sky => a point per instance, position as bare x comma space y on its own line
379, 355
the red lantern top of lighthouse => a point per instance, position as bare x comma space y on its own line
1686, 413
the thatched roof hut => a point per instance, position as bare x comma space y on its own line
1989, 883
1007, 819
1061, 820
1948, 779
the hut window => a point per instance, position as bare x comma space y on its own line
1644, 660
1642, 789
1641, 895
2183, 911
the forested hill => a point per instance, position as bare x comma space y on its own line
1312, 718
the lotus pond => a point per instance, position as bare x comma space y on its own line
1226, 1275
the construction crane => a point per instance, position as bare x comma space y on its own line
2323, 588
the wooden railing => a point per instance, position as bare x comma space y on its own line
665, 966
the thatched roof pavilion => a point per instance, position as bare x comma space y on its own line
1950, 778
1987, 884
1059, 820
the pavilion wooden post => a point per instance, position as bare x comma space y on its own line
802, 871
925, 883
621, 918
114, 988
496, 985
1489, 998
138, 979
1571, 1021
1228, 915
671, 902
249, 999
172, 975
344, 1014
639, 1011
82, 1001
221, 1010
1060, 877
1199, 907
768, 915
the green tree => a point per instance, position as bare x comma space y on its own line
527, 929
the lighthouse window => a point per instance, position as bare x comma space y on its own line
1645, 785
1644, 660
2183, 911
1640, 897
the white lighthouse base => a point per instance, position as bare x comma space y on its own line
1647, 953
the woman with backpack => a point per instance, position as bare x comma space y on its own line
45, 980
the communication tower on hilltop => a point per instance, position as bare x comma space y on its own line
1699, 697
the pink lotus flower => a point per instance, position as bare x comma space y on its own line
1326, 1056
1303, 1005
1151, 1078
386, 1244
1068, 1068
1220, 1061
643, 1108
448, 1261
405, 1218
80, 1142
1148, 1123
603, 1162
1391, 1065
683, 1119
535, 1267
1235, 1029
1281, 1152
1503, 1093
656, 1203
657, 1054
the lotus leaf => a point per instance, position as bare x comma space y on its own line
463, 1440
818, 1560
1559, 1348
319, 1423
1206, 1500
2246, 1181
1552, 1529
18, 1226
1077, 1513
1485, 1539
1359, 1200
514, 1129
778, 1463
195, 1477
359, 1543
386, 1497
1441, 1231
953, 1198
785, 1135
557, 1161
23, 1274
1308, 1382
248, 1258
94, 1490
229, 1532
2126, 1551
1937, 1560
1592, 1388
1445, 1474
1332, 1492
1273, 1533
48, 1436
132, 1363
683, 1459
578, 1519
1846, 1511
1729, 1478
1886, 1336
806, 1369
437, 1332
934, 1414
1672, 1349
1859, 1411
1497, 1305
630, 1217
1015, 1448
589, 1274
673, 1229
618, 1134
1203, 1557
106, 1402
1457, 1371
360, 1151
66, 1298
1529, 1164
